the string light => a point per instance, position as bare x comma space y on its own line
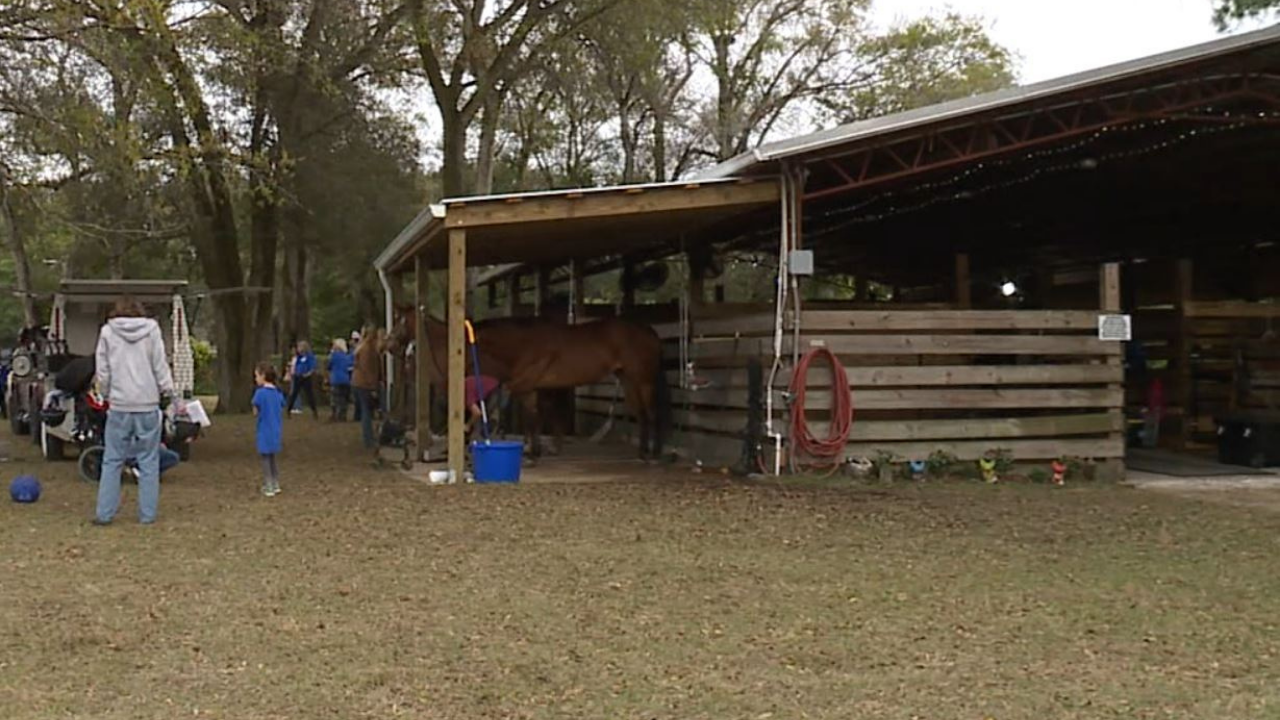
1183, 138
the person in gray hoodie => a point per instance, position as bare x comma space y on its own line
133, 376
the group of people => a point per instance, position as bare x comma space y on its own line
353, 373
132, 373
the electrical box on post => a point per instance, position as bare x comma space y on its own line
800, 262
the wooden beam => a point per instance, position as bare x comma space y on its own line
421, 358
457, 352
608, 204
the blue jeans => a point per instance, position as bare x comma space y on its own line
364, 407
131, 436
168, 459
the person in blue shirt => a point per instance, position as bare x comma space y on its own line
268, 407
339, 366
304, 371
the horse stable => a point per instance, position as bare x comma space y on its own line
1002, 247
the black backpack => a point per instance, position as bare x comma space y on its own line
76, 376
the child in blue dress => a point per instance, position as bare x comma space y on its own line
268, 407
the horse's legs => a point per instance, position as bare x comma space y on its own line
532, 426
636, 406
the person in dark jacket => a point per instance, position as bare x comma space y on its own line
365, 379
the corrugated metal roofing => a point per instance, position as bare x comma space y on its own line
994, 101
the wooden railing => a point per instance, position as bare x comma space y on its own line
1038, 384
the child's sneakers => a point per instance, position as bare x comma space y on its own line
269, 491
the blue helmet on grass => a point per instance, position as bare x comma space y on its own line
25, 489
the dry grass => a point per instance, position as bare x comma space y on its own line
359, 594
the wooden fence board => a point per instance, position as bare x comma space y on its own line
1231, 309
910, 399
726, 448
961, 345
815, 321
977, 428
1101, 448
931, 376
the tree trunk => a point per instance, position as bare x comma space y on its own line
265, 227
488, 144
236, 354
628, 135
18, 248
726, 120
659, 147
454, 172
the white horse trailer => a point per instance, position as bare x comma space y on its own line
79, 310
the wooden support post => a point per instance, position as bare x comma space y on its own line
513, 294
696, 286
1183, 274
1109, 301
1109, 288
577, 305
457, 351
964, 287
628, 286
421, 358
541, 291
396, 386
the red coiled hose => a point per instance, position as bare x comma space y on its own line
829, 452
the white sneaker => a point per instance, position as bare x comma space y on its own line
269, 492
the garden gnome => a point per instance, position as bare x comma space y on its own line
1059, 472
988, 467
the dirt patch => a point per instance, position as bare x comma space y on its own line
364, 594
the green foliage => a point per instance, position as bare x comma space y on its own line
1227, 12
940, 462
886, 465
204, 354
1039, 475
1003, 459
927, 61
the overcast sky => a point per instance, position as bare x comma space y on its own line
1059, 38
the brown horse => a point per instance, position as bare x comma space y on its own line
528, 355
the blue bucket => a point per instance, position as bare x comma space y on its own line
497, 461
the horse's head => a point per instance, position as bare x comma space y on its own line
401, 332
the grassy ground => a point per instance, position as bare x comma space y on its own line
359, 594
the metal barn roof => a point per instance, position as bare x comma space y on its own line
1010, 99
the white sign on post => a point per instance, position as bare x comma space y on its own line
1115, 328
